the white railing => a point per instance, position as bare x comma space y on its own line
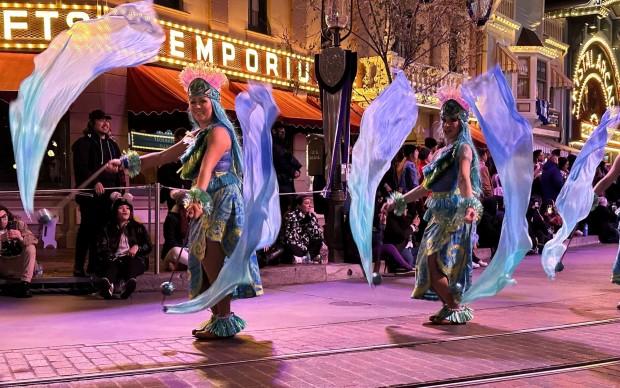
424, 79
553, 29
507, 8
427, 79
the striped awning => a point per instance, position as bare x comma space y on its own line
506, 59
559, 80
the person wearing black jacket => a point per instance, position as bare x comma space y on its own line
399, 232
490, 225
90, 152
551, 179
287, 168
124, 246
602, 222
176, 227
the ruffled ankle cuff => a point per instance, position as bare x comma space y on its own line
461, 315
225, 326
201, 327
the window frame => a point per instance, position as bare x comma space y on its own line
261, 25
523, 78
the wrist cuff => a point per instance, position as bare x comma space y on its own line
400, 205
131, 163
465, 204
200, 197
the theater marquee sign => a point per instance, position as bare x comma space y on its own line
30, 27
596, 80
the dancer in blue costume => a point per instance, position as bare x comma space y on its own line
212, 159
444, 266
599, 190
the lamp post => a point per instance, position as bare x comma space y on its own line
335, 70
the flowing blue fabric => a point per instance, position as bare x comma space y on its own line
256, 112
385, 125
509, 138
575, 199
129, 35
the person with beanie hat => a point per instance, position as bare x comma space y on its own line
124, 246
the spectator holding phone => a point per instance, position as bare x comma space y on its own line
17, 251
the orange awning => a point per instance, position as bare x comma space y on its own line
293, 110
559, 80
153, 89
14, 67
507, 61
476, 132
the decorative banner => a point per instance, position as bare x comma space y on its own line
386, 123
509, 138
128, 35
575, 199
256, 111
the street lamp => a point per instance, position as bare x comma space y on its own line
335, 70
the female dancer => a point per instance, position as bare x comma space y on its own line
599, 190
212, 158
444, 266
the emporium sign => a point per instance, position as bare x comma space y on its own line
30, 27
595, 65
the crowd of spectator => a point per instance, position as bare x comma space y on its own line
118, 246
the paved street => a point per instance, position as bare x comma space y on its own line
540, 333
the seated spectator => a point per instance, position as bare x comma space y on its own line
123, 246
387, 252
399, 232
551, 215
301, 235
601, 222
176, 226
17, 252
490, 225
540, 231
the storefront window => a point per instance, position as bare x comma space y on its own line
541, 80
257, 16
174, 4
523, 80
55, 172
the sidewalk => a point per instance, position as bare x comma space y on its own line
58, 263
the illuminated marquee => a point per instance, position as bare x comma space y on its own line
597, 64
32, 26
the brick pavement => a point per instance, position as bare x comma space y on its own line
405, 349
429, 352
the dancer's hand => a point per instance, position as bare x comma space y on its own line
387, 207
99, 189
470, 215
113, 165
194, 211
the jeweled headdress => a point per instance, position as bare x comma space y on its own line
452, 103
203, 79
